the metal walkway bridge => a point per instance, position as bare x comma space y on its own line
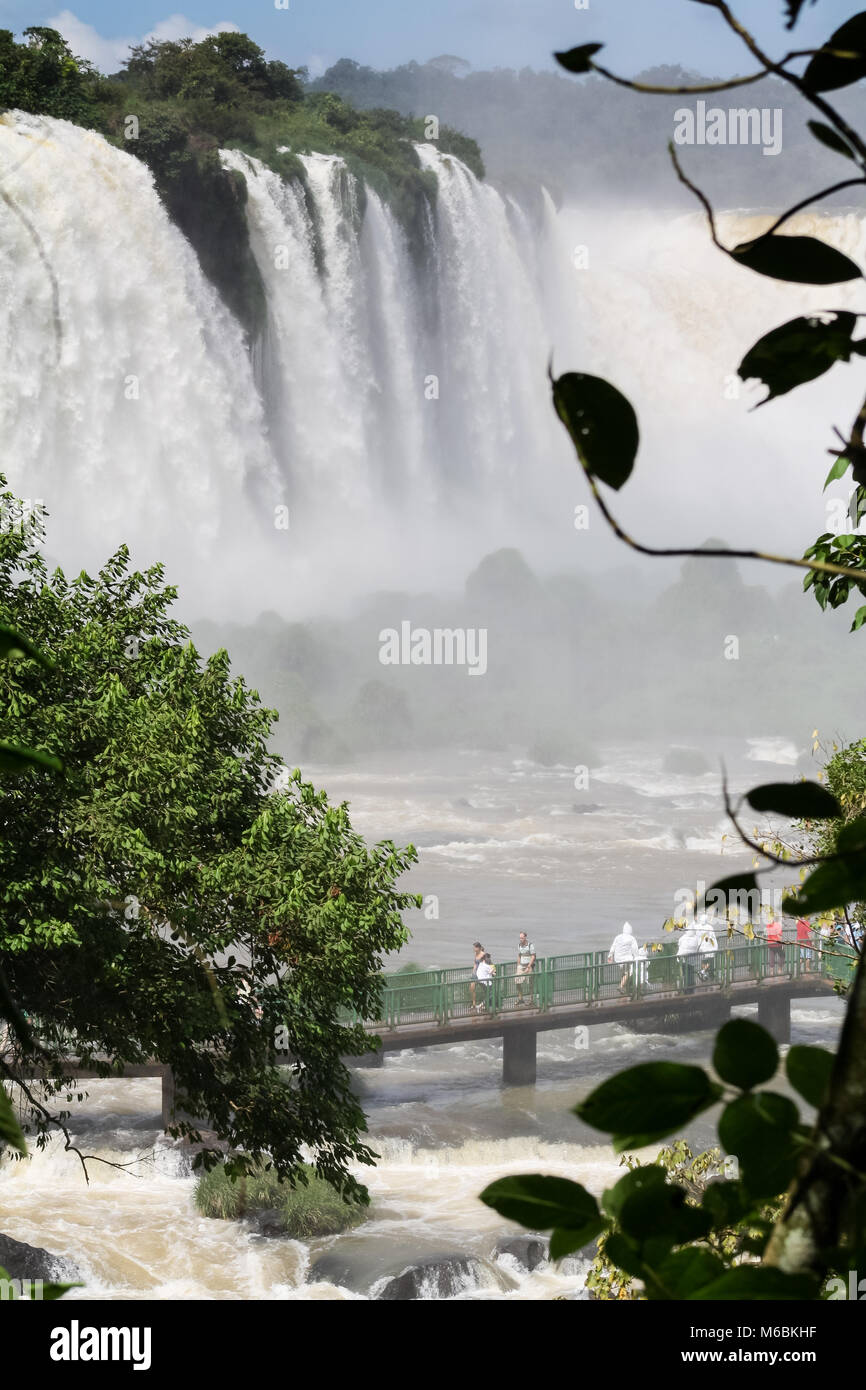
661, 993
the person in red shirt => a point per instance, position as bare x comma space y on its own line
774, 942
804, 941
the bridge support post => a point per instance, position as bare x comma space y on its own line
518, 1057
172, 1115
367, 1059
774, 1014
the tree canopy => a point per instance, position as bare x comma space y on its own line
176, 894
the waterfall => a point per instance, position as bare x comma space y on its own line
396, 405
126, 399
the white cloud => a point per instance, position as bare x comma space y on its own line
109, 54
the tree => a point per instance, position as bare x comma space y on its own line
178, 895
821, 1169
43, 75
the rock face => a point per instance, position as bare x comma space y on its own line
417, 1271
32, 1262
431, 1278
529, 1251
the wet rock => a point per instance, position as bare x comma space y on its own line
528, 1250
585, 808
689, 762
32, 1262
431, 1278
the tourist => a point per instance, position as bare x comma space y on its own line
484, 973
479, 955
707, 946
688, 951
624, 951
525, 964
775, 945
804, 941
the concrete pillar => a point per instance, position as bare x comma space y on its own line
518, 1057
774, 1014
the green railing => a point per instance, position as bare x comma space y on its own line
448, 996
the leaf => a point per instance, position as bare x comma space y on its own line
793, 8
649, 1100
808, 1069
830, 885
51, 1292
578, 59
802, 260
16, 760
660, 1214
852, 836
14, 647
798, 800
827, 73
648, 1175
745, 1054
798, 351
564, 1242
542, 1203
829, 137
758, 1282
10, 1130
684, 1272
725, 1203
859, 619
624, 1255
602, 425
758, 1130
839, 469
735, 886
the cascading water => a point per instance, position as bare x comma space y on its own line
396, 403
127, 401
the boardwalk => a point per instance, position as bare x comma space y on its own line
664, 993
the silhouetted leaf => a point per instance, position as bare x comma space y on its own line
745, 1054
799, 351
648, 1100
825, 72
542, 1203
803, 260
624, 1255
735, 886
793, 8
830, 885
808, 1070
852, 836
649, 1175
828, 136
800, 800
578, 59
602, 425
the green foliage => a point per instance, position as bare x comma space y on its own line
160, 901
676, 1225
191, 99
43, 75
307, 1209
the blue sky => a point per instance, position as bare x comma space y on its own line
489, 33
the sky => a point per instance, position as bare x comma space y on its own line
488, 33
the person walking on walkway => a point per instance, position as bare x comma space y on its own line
478, 950
687, 952
804, 941
707, 946
775, 945
485, 972
623, 951
525, 965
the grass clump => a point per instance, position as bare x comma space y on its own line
302, 1212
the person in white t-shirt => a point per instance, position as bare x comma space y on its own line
484, 973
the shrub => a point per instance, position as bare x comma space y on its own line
316, 1209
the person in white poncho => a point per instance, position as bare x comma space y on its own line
624, 951
708, 944
688, 948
